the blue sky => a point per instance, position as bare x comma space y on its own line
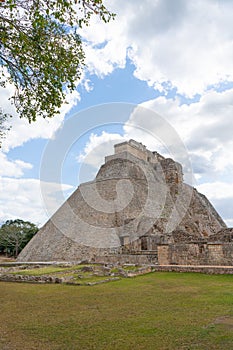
166, 57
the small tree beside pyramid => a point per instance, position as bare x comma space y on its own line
14, 235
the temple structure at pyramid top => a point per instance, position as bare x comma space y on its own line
135, 149
137, 210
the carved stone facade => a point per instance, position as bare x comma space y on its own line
137, 210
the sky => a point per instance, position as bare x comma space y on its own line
160, 73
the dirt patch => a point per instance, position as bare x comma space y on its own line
225, 320
4, 259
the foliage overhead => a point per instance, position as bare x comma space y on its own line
14, 235
3, 127
41, 50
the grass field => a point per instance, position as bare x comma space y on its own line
155, 311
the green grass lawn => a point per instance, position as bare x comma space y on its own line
156, 311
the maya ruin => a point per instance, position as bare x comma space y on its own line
137, 210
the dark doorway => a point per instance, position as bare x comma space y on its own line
144, 245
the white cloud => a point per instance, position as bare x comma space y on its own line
21, 198
229, 222
21, 131
98, 147
217, 190
87, 84
12, 168
179, 43
205, 127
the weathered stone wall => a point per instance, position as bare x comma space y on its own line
172, 171
211, 270
224, 235
196, 254
136, 149
163, 255
137, 259
201, 219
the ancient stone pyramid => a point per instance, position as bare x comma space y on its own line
137, 202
